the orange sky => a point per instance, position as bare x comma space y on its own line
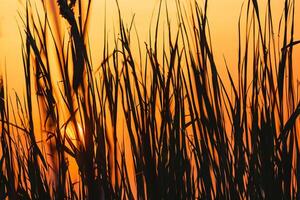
223, 18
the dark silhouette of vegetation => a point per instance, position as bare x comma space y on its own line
167, 127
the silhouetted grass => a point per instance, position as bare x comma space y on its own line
167, 127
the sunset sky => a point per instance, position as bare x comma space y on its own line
94, 101
223, 20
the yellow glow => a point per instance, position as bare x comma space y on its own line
222, 16
72, 134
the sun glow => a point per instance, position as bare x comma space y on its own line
75, 134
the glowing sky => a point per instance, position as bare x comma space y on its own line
222, 16
223, 19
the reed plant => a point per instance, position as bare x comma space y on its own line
161, 125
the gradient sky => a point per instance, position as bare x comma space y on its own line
222, 15
223, 18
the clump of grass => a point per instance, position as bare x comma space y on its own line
190, 135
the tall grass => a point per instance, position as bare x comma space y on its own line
167, 127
